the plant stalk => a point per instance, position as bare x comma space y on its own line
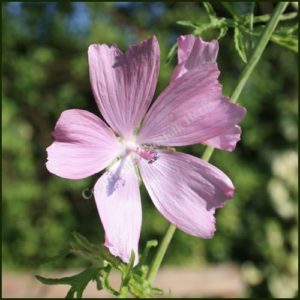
264, 39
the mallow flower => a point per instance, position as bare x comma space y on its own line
136, 140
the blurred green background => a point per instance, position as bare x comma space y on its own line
45, 72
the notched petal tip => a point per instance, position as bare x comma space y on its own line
229, 194
242, 109
212, 234
123, 84
92, 48
95, 45
153, 38
207, 187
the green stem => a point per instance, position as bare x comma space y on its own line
265, 37
207, 153
258, 50
161, 252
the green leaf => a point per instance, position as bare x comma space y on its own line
95, 253
199, 29
287, 37
251, 16
77, 282
127, 273
238, 9
239, 44
61, 255
202, 28
266, 18
210, 10
288, 42
187, 23
82, 241
172, 53
126, 276
284, 36
222, 33
105, 254
95, 259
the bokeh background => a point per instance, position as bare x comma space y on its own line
45, 72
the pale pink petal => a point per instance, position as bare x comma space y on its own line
124, 84
227, 140
119, 205
194, 52
83, 145
186, 190
192, 110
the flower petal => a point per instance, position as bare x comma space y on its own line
124, 84
186, 190
119, 205
227, 140
83, 145
194, 52
192, 110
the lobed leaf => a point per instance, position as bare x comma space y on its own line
77, 282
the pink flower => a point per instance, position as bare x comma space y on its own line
185, 189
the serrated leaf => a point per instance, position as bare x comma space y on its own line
239, 44
77, 282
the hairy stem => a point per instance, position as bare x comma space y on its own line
264, 39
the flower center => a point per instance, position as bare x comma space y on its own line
146, 152
149, 154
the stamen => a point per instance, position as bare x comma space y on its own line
146, 152
149, 154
